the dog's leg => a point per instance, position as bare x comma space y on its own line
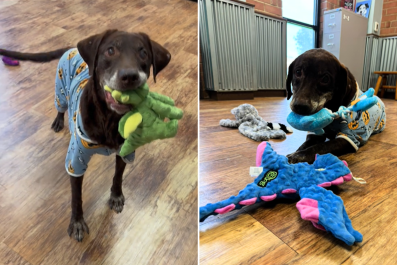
58, 123
337, 147
312, 139
116, 201
77, 225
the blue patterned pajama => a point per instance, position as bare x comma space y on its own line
72, 75
359, 126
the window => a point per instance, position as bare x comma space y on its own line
302, 26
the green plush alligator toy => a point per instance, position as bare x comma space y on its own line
145, 122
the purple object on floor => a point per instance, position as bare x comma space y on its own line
10, 61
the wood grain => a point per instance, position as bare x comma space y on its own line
225, 158
159, 222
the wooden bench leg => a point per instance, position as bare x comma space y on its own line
382, 93
378, 83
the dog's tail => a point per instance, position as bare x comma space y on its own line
42, 57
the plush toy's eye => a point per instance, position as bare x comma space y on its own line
143, 53
298, 73
325, 79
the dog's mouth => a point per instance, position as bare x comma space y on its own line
115, 105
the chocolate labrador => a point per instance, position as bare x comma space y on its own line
319, 81
114, 58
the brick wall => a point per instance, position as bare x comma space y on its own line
388, 26
272, 7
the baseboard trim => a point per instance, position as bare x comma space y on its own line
388, 94
238, 95
235, 95
270, 93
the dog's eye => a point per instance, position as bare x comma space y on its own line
325, 79
298, 73
110, 51
143, 54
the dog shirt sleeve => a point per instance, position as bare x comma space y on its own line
77, 157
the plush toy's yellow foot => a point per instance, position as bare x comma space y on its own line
132, 123
117, 95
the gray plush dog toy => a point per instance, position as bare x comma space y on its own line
252, 125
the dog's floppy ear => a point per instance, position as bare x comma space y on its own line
289, 79
88, 48
160, 55
367, 6
344, 85
341, 79
357, 8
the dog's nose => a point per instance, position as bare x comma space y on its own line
302, 109
128, 76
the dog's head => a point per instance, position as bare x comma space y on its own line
318, 80
362, 9
122, 61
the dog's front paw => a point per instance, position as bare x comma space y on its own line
299, 157
116, 203
77, 227
58, 124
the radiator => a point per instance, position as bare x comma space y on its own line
205, 47
380, 55
388, 58
241, 50
371, 62
271, 51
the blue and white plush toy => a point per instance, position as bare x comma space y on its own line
316, 122
279, 179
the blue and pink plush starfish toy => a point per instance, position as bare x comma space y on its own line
279, 179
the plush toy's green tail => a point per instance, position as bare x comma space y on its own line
141, 136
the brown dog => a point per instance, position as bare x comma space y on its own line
122, 61
319, 80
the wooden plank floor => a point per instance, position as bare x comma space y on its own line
159, 222
274, 233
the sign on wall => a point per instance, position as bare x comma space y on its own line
349, 4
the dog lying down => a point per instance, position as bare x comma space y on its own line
113, 58
319, 81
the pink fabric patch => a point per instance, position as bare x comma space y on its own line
344, 162
315, 157
318, 226
225, 209
269, 198
348, 177
325, 184
259, 153
248, 202
337, 181
308, 209
288, 191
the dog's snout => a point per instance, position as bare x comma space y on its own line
302, 109
128, 76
